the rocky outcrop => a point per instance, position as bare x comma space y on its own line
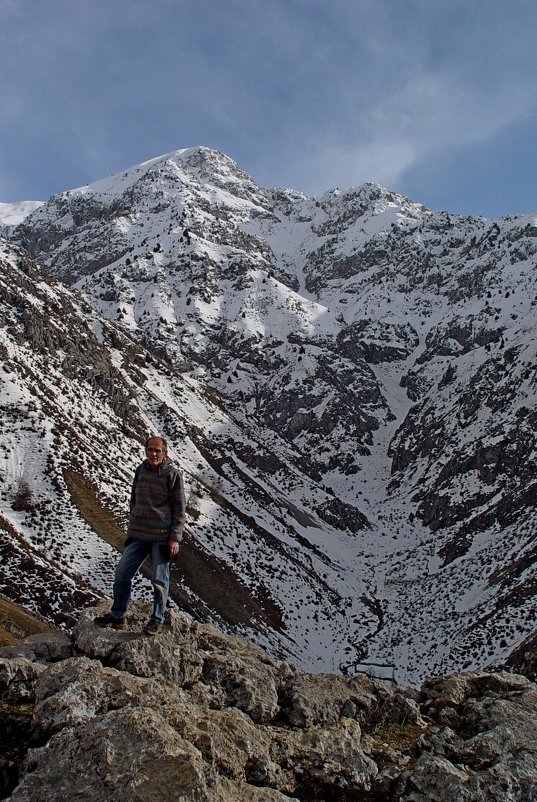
193, 714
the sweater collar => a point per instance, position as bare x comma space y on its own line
160, 468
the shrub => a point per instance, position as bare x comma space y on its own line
23, 497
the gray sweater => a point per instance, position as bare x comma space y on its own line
157, 505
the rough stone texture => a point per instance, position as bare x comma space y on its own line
193, 714
490, 750
323, 699
17, 679
41, 647
238, 673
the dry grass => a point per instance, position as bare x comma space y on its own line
87, 502
396, 736
17, 623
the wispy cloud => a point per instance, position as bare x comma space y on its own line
301, 92
424, 104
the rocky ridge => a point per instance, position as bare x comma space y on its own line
193, 714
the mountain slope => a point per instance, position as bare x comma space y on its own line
78, 397
350, 380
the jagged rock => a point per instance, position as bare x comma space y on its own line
324, 760
42, 646
323, 699
250, 679
106, 732
457, 688
241, 674
17, 679
128, 754
80, 688
490, 750
144, 657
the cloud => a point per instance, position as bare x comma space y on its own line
345, 166
300, 92
422, 108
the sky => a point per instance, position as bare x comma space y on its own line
435, 99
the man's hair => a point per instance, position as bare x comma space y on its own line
157, 437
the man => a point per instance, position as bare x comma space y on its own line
156, 522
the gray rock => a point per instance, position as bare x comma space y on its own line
322, 699
124, 755
17, 679
492, 754
42, 646
187, 653
193, 714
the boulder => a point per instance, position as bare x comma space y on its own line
193, 714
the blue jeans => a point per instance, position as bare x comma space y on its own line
134, 554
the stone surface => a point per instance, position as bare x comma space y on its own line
17, 679
42, 646
193, 714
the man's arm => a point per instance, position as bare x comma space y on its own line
133, 489
178, 506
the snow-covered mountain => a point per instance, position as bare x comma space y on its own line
348, 383
11, 214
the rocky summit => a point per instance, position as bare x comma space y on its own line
348, 383
193, 715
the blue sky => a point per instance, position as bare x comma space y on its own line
436, 99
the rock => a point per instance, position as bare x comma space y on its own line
42, 646
491, 753
435, 779
249, 678
457, 688
328, 760
17, 679
322, 699
174, 657
193, 714
79, 689
125, 755
240, 674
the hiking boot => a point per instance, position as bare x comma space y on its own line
109, 620
153, 627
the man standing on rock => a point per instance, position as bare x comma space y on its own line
156, 522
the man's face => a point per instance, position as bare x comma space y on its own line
155, 452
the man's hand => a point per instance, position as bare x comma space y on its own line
174, 548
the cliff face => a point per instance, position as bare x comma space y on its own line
193, 714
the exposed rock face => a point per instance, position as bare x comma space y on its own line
192, 714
